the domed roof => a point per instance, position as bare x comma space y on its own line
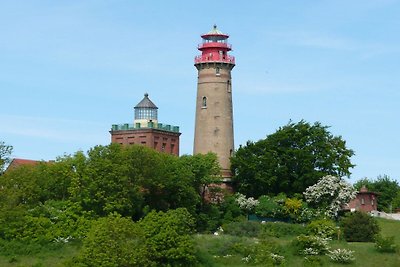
214, 30
215, 33
146, 103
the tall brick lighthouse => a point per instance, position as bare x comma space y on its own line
214, 112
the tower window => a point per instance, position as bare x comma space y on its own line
217, 71
204, 102
228, 86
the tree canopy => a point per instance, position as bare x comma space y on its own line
290, 160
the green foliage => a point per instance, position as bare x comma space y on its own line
208, 218
293, 206
290, 160
270, 207
114, 241
205, 169
127, 179
323, 227
54, 221
312, 261
242, 228
266, 252
385, 244
5, 153
359, 227
223, 245
387, 188
310, 245
168, 237
396, 201
343, 256
281, 229
18, 247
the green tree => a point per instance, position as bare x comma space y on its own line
385, 187
396, 201
104, 183
290, 160
114, 241
168, 237
5, 153
205, 170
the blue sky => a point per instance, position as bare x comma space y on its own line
71, 69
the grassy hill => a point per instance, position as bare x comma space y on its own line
221, 250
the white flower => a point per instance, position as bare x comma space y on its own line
333, 190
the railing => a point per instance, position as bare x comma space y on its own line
150, 125
207, 58
214, 44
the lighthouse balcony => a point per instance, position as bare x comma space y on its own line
211, 58
224, 46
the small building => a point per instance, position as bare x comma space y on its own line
365, 200
146, 130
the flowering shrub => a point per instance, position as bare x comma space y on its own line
307, 214
247, 204
265, 252
341, 255
385, 244
311, 245
330, 193
293, 205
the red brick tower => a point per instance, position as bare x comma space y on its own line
146, 130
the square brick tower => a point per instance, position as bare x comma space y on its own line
146, 130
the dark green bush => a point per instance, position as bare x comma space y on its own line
281, 229
359, 227
169, 237
243, 228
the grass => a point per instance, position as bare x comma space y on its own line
38, 256
227, 250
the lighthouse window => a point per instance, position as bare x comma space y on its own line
217, 71
228, 86
204, 103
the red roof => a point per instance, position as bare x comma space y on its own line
22, 162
